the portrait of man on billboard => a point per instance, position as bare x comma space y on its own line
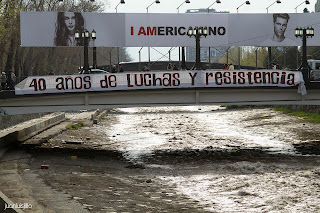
66, 25
280, 25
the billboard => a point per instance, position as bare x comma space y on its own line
49, 29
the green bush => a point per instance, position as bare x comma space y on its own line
81, 124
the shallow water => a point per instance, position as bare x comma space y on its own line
260, 171
139, 131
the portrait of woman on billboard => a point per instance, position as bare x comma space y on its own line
66, 25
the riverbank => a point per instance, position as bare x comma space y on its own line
173, 159
307, 113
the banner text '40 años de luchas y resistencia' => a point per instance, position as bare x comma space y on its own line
159, 80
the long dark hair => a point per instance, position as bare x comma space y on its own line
62, 32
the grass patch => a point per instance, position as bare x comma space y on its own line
72, 127
75, 126
81, 124
238, 106
307, 116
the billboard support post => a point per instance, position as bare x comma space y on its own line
86, 57
304, 33
118, 66
85, 35
149, 57
95, 57
197, 33
269, 57
183, 59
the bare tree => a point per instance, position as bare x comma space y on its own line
27, 61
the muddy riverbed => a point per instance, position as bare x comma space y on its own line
173, 159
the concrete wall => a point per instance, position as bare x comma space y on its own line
22, 133
26, 132
11, 120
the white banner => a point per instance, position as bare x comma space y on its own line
160, 80
49, 29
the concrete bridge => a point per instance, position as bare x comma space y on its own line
11, 104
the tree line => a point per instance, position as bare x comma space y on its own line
286, 57
27, 61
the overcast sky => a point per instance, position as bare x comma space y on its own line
170, 6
